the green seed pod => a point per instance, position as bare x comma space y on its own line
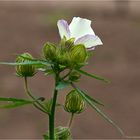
63, 133
49, 51
74, 76
25, 70
78, 54
74, 103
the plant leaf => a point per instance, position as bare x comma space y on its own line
93, 100
13, 105
38, 63
97, 109
14, 102
93, 76
44, 62
61, 85
21, 63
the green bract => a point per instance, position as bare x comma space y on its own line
74, 103
25, 70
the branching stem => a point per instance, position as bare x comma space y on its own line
37, 104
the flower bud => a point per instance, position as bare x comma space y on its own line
69, 43
63, 133
74, 103
64, 59
25, 70
74, 76
78, 54
49, 51
62, 42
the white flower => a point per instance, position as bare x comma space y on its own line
81, 30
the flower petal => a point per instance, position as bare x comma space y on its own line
63, 28
80, 27
90, 41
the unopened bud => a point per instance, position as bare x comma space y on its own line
64, 58
74, 103
49, 51
78, 54
63, 133
25, 70
74, 76
69, 43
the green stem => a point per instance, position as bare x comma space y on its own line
67, 74
37, 104
70, 121
52, 115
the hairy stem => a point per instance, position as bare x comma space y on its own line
52, 115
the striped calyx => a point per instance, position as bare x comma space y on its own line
27, 70
74, 103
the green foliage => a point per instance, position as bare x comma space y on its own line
92, 75
93, 105
93, 100
21, 63
38, 61
14, 102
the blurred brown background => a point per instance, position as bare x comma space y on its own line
26, 26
